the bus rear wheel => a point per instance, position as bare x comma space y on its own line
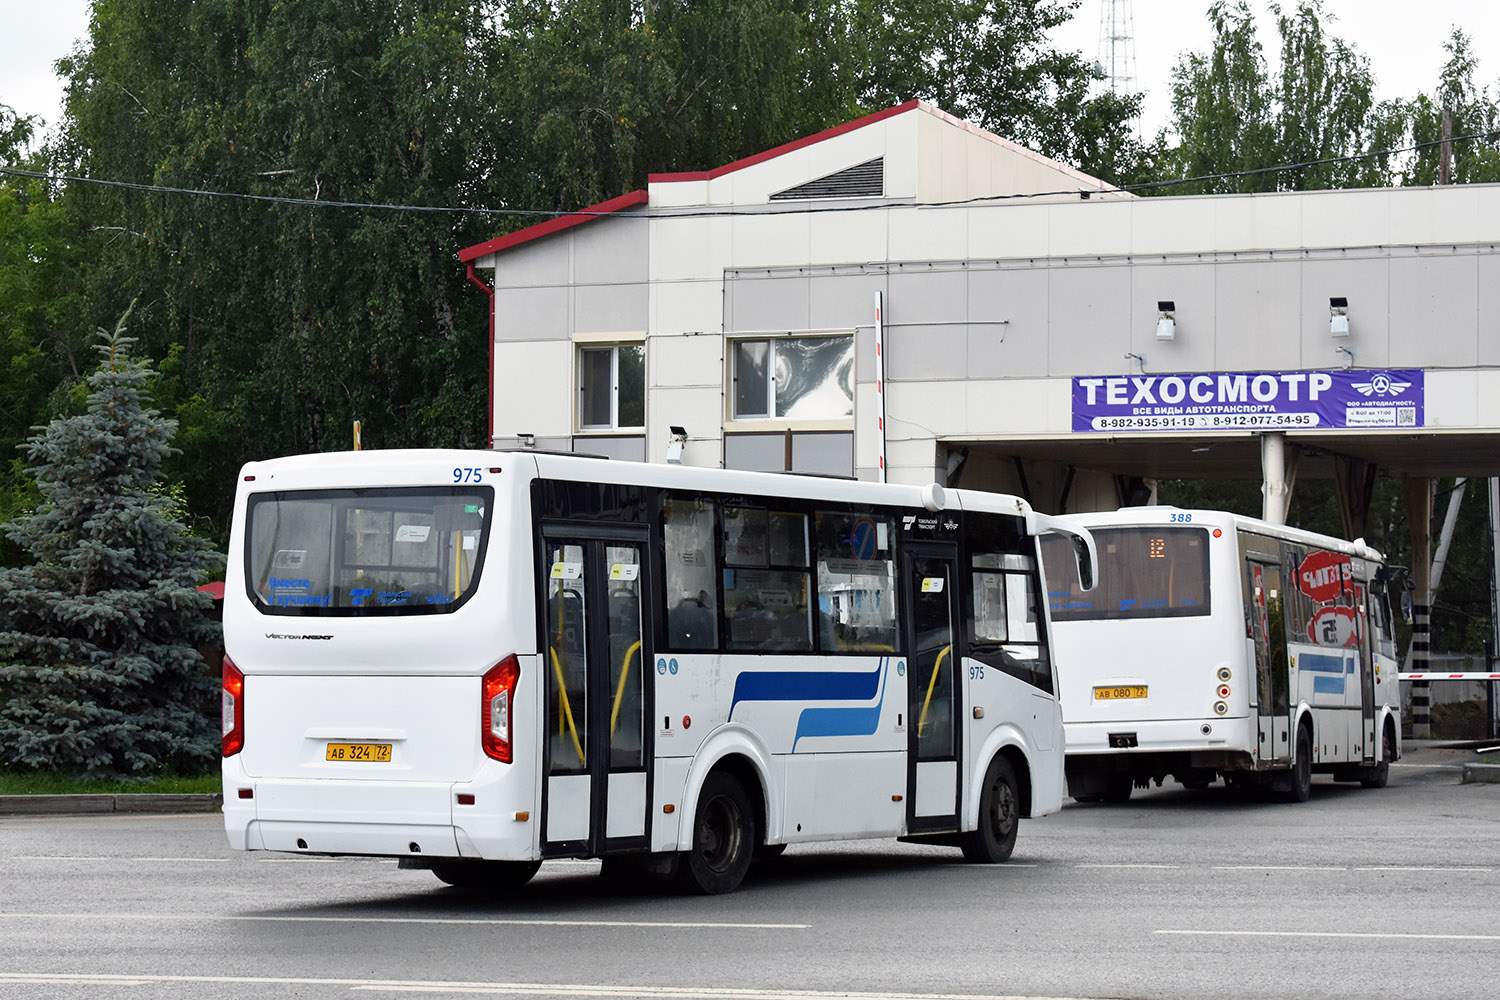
487, 875
723, 838
999, 816
1377, 775
1299, 779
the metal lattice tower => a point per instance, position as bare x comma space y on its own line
1117, 45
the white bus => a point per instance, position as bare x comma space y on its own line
475, 661
1215, 645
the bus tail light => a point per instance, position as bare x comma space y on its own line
233, 725
497, 692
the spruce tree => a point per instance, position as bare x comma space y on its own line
100, 669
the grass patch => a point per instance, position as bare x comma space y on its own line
37, 783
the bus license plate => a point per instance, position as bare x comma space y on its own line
378, 753
1120, 691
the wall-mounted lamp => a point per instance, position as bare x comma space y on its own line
1338, 316
1341, 349
1166, 320
527, 440
675, 444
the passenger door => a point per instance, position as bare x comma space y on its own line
596, 742
1272, 682
929, 588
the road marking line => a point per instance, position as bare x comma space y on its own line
1279, 868
1340, 934
1127, 866
97, 857
457, 921
1419, 868
510, 989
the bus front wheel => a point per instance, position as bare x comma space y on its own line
999, 816
723, 838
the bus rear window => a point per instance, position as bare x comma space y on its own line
396, 551
1143, 573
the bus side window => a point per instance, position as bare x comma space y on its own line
691, 590
766, 585
856, 583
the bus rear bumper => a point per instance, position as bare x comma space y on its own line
374, 818
1156, 736
1101, 755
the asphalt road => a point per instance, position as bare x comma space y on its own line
1176, 894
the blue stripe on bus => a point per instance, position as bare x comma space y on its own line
800, 685
841, 721
1323, 663
1328, 685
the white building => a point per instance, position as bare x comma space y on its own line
1042, 333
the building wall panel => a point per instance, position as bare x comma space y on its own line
547, 261
542, 312
610, 308
918, 234
611, 251
1434, 311
771, 241
533, 393
1248, 222
1256, 310
1007, 333
1190, 287
1009, 231
767, 304
926, 352
1090, 310
1363, 279
1487, 267
685, 360
844, 302
1090, 228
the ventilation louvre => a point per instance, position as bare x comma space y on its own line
863, 180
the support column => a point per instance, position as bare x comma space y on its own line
1419, 518
1273, 477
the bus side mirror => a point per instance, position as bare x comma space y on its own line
1083, 555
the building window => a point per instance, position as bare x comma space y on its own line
793, 378
612, 387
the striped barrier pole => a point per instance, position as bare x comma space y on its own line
1421, 694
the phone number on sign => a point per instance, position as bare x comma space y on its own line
1204, 421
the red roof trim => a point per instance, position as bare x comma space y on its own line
796, 144
554, 225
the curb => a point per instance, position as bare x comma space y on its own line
76, 805
1486, 773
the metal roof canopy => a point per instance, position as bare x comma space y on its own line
1218, 456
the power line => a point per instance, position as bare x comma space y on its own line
725, 213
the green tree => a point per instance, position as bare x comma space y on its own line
100, 669
1231, 115
280, 325
1472, 110
990, 62
39, 302
599, 93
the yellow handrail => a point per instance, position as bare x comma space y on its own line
620, 688
936, 667
567, 707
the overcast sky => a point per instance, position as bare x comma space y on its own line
1403, 38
